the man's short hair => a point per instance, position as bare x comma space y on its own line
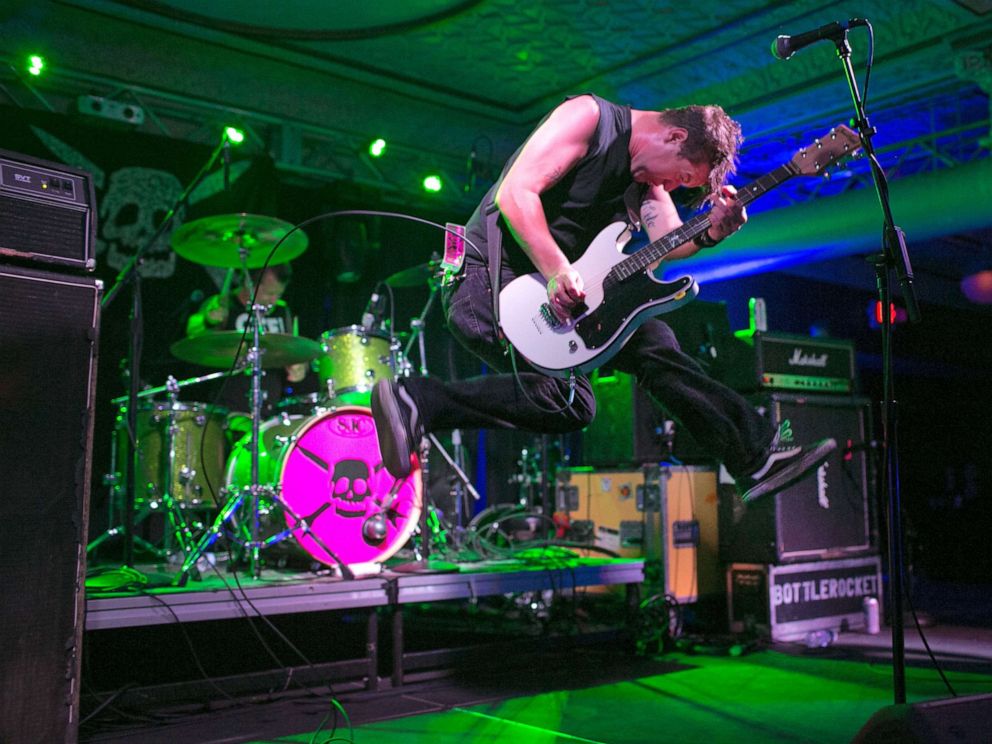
714, 139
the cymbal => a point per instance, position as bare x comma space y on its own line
220, 240
217, 349
415, 276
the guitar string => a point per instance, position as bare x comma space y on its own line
685, 232
657, 250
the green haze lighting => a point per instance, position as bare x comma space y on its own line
234, 136
36, 64
377, 147
432, 183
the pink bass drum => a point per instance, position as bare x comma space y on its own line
331, 474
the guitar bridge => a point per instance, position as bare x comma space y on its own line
549, 316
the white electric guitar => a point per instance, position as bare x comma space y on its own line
621, 291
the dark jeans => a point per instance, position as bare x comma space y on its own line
723, 422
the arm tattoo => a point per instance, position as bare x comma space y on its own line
648, 215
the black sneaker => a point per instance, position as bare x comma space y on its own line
784, 467
397, 426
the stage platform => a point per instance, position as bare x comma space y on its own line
222, 595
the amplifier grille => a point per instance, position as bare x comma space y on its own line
37, 230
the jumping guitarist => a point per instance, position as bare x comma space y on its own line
589, 164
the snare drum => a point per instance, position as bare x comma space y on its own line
187, 460
354, 360
309, 404
328, 472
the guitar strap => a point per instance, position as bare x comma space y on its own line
494, 239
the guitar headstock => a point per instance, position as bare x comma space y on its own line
812, 159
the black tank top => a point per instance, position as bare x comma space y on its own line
588, 198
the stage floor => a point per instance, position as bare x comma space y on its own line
783, 693
588, 688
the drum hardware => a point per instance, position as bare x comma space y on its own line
167, 450
254, 492
422, 561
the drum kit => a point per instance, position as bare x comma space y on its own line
310, 478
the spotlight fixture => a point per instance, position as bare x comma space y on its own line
234, 135
36, 63
377, 147
432, 183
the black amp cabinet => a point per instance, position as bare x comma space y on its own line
826, 515
49, 327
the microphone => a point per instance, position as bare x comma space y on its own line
373, 311
785, 46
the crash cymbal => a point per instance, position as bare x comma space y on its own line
220, 241
217, 349
415, 276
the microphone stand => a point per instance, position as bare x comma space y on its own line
131, 274
894, 256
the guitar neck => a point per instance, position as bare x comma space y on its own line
689, 230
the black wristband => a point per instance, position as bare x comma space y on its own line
704, 239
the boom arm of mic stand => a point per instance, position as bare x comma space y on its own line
131, 274
131, 268
893, 238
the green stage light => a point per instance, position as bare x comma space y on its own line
377, 147
234, 136
36, 64
432, 183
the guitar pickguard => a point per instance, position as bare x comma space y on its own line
621, 300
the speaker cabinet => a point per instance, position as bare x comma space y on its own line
665, 515
960, 720
826, 515
48, 339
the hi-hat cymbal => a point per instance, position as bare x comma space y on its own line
415, 276
222, 239
217, 349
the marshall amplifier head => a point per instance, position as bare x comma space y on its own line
47, 212
780, 361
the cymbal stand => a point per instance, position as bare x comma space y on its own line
418, 333
254, 490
